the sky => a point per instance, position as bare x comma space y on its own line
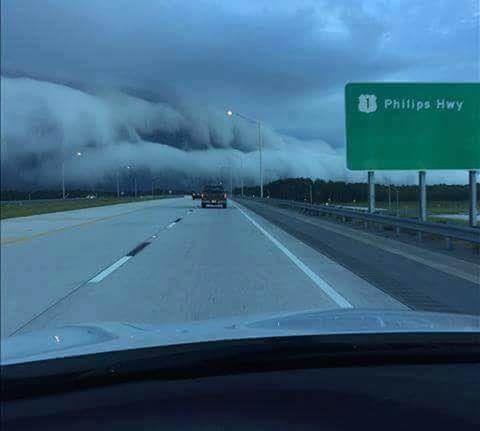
147, 83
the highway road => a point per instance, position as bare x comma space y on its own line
171, 261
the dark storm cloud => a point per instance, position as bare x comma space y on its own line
207, 50
285, 62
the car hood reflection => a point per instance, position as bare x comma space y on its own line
85, 338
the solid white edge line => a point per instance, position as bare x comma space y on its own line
322, 284
106, 272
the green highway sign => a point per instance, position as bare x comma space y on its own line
418, 126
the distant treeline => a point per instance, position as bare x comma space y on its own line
338, 191
291, 188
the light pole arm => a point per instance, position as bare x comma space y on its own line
252, 120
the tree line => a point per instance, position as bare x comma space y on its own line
320, 191
298, 189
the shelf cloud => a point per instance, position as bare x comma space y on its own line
147, 84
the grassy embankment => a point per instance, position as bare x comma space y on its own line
33, 207
435, 209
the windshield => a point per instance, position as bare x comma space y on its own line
175, 163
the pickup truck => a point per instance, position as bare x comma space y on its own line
214, 195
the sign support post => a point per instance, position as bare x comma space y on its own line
473, 198
371, 191
422, 201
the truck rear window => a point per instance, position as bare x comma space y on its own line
213, 190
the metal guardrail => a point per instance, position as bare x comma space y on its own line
449, 232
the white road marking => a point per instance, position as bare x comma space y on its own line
106, 272
322, 284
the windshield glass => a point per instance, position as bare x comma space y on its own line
343, 137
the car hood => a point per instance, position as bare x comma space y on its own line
87, 338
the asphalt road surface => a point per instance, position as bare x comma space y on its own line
421, 278
171, 261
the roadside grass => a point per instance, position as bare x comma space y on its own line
410, 208
10, 209
458, 222
435, 209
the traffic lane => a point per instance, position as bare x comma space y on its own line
212, 264
40, 271
20, 229
412, 283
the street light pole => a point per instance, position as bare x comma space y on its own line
130, 168
153, 182
242, 171
64, 194
398, 206
118, 182
260, 157
63, 180
395, 189
243, 174
473, 198
230, 113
